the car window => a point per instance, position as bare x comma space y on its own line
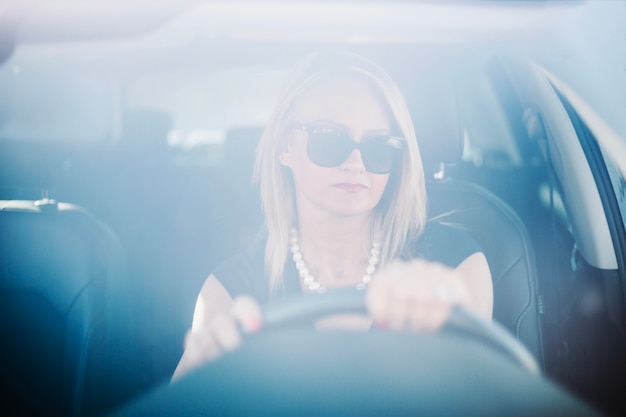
204, 105
619, 184
50, 101
590, 35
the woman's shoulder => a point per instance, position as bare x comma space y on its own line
448, 243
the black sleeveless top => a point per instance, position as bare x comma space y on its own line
243, 273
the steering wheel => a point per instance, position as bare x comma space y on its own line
469, 368
301, 309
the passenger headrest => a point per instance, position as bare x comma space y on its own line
240, 145
146, 127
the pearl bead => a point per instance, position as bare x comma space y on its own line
308, 279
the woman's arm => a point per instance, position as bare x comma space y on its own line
404, 295
475, 271
215, 327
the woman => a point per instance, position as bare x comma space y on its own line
343, 192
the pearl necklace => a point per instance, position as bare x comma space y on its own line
309, 281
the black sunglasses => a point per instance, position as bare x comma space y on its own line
329, 147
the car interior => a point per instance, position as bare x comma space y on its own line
113, 212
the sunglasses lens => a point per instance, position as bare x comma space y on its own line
380, 154
329, 148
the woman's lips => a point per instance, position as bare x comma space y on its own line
350, 187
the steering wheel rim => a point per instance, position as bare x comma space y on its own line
301, 309
298, 371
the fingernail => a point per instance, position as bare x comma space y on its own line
381, 324
253, 325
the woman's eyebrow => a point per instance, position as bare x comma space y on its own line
384, 130
332, 123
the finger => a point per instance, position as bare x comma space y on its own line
453, 290
376, 301
433, 316
416, 316
378, 297
397, 317
422, 296
225, 331
447, 293
439, 317
201, 346
427, 307
247, 312
401, 303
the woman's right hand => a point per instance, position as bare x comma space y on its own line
219, 334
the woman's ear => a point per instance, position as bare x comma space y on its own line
285, 156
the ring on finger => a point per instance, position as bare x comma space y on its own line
446, 292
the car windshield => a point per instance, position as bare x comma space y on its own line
142, 121
86, 76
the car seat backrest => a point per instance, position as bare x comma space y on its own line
506, 245
67, 340
489, 220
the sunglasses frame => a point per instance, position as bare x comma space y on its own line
309, 128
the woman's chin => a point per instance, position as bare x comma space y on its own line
351, 210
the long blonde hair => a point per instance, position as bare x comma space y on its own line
399, 217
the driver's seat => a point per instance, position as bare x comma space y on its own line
490, 221
506, 245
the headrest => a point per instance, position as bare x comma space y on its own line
435, 113
240, 145
146, 127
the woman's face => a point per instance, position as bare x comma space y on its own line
336, 105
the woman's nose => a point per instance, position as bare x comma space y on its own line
354, 163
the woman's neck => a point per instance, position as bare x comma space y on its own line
335, 249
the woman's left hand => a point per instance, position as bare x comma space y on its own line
415, 295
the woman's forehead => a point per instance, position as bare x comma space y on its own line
342, 99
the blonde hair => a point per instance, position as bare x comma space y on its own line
399, 217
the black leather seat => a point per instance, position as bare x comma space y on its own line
489, 220
67, 346
507, 247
